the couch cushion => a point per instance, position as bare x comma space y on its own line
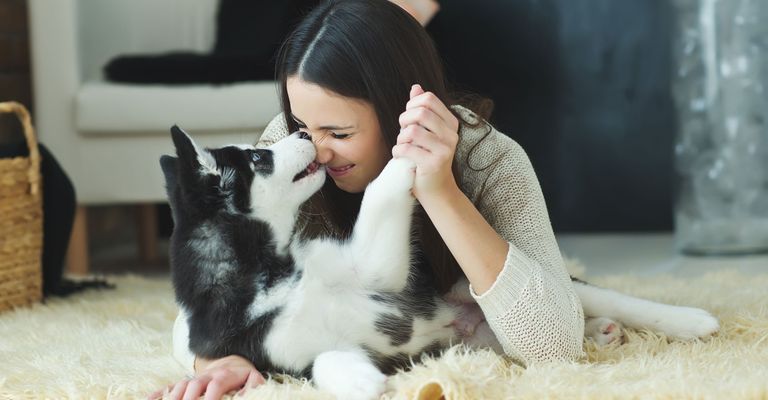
109, 108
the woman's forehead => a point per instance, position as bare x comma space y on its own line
316, 105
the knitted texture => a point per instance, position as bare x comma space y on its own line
532, 307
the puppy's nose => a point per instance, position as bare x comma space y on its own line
304, 135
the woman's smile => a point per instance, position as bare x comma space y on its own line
337, 172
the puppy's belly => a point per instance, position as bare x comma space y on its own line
312, 323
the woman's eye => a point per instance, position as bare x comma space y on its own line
255, 157
339, 135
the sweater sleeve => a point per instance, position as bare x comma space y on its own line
275, 130
181, 351
532, 306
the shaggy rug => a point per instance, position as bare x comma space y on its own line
116, 344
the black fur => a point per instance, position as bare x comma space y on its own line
220, 258
197, 204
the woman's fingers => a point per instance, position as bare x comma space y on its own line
196, 387
159, 393
424, 117
435, 146
430, 101
178, 390
418, 136
217, 387
255, 378
415, 91
411, 152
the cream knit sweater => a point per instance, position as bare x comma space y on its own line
532, 307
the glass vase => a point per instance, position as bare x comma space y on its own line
720, 53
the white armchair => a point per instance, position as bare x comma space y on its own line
109, 137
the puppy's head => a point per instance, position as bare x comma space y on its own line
240, 179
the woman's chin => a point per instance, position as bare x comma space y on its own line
349, 187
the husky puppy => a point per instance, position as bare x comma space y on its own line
346, 312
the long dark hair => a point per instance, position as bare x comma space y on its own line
374, 51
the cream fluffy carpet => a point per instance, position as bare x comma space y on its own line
117, 344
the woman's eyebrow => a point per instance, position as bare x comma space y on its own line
330, 127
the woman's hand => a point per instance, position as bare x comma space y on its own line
216, 379
422, 10
428, 136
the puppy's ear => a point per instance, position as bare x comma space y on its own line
169, 166
186, 148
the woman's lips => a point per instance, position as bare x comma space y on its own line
340, 171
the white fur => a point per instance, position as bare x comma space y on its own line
603, 331
206, 161
674, 321
278, 202
349, 375
269, 300
207, 243
331, 307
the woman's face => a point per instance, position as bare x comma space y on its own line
345, 132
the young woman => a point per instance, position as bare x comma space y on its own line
363, 79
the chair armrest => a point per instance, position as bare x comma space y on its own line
55, 69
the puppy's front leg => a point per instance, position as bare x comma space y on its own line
381, 239
348, 375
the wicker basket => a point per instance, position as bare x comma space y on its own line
21, 221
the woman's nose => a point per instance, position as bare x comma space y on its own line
324, 153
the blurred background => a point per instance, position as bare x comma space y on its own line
585, 86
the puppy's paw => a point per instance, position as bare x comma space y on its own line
689, 323
396, 179
603, 331
366, 382
348, 376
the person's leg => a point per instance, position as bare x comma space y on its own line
59, 201
58, 215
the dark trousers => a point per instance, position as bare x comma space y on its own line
58, 213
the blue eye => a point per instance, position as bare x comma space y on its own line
255, 157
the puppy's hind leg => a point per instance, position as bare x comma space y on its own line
674, 321
348, 375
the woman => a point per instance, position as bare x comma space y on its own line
346, 76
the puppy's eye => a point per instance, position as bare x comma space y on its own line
255, 157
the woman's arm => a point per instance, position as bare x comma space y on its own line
429, 136
275, 130
532, 305
478, 249
505, 245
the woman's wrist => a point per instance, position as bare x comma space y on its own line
443, 196
477, 247
200, 364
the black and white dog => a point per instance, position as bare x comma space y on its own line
345, 313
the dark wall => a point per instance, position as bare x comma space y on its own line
583, 86
14, 65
